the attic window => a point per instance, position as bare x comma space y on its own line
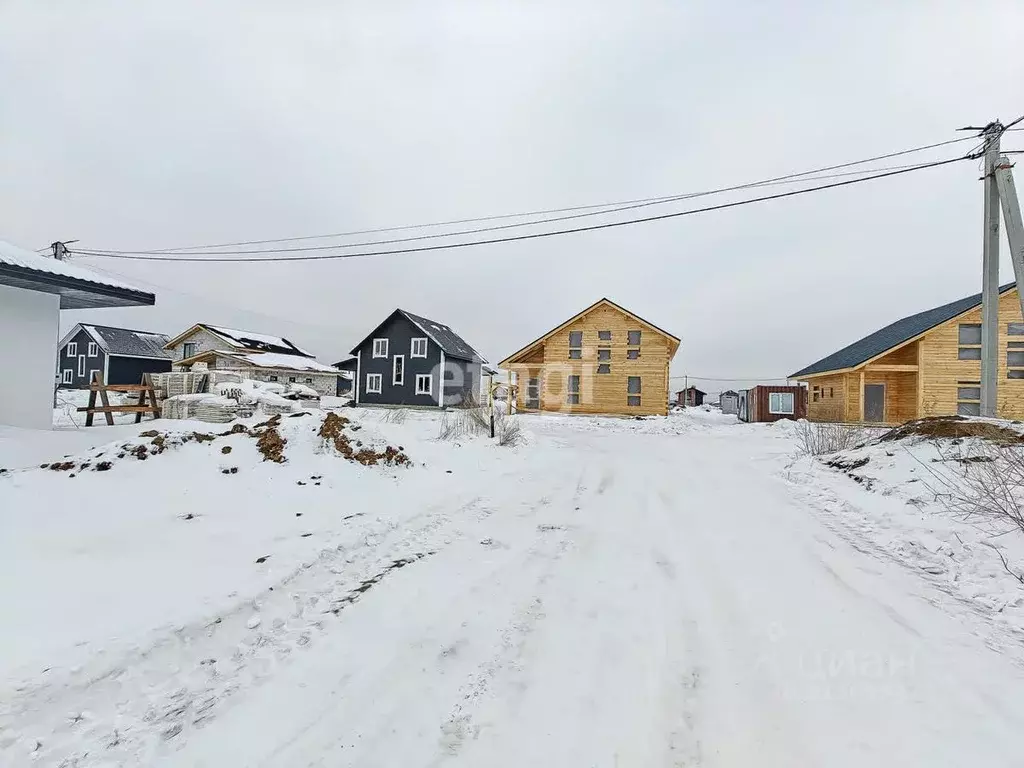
188, 349
380, 347
419, 347
73, 349
633, 338
575, 345
604, 335
93, 349
969, 339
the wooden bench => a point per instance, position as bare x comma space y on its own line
145, 389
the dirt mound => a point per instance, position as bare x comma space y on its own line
333, 431
953, 427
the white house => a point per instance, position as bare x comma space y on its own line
33, 290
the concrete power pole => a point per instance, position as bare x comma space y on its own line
990, 276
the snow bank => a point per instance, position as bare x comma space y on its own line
894, 494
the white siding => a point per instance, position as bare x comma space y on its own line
28, 347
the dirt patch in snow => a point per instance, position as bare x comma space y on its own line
936, 427
333, 431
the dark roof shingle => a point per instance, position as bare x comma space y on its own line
892, 335
124, 342
449, 341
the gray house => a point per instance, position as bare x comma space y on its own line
120, 354
410, 360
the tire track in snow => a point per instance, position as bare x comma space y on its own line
179, 682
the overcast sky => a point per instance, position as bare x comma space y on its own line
146, 125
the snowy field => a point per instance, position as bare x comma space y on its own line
681, 591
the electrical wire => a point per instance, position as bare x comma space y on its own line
612, 207
528, 236
481, 230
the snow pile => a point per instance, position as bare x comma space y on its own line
68, 401
909, 495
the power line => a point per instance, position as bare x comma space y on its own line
612, 207
481, 230
533, 235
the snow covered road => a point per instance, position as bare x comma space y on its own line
614, 594
645, 601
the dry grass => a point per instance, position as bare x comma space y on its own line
816, 439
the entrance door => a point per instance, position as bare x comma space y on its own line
533, 393
874, 402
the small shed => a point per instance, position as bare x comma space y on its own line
690, 397
765, 403
729, 401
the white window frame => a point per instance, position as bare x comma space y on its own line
374, 383
417, 340
397, 380
779, 409
72, 349
93, 349
81, 365
429, 379
68, 376
380, 348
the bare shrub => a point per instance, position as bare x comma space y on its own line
509, 431
817, 439
983, 481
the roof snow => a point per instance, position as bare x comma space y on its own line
258, 341
277, 360
127, 343
14, 256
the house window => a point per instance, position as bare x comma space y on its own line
573, 390
373, 383
831, 392
968, 398
424, 383
93, 349
73, 349
1015, 360
633, 390
969, 339
780, 402
632, 354
291, 379
309, 381
1015, 329
604, 335
380, 347
815, 394
604, 354
189, 349
604, 368
419, 347
81, 365
398, 370
633, 338
575, 345
67, 376
92, 375
272, 378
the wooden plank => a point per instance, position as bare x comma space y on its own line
104, 399
123, 387
108, 409
891, 367
861, 395
92, 402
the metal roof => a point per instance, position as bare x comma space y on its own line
258, 342
123, 342
78, 287
893, 335
448, 340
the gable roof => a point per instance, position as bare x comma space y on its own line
448, 340
245, 340
123, 342
892, 335
78, 287
674, 341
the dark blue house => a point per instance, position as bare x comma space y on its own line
412, 361
120, 354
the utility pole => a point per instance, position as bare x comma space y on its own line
990, 275
60, 251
